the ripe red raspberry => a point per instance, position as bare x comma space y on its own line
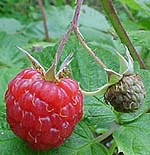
40, 112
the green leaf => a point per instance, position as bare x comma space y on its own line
142, 5
10, 40
10, 56
58, 19
91, 75
79, 143
96, 21
97, 114
133, 138
10, 143
144, 22
140, 38
10, 25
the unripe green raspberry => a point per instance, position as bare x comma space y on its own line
126, 95
124, 90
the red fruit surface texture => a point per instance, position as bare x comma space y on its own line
42, 113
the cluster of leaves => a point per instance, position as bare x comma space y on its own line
132, 136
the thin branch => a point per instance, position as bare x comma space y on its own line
77, 11
69, 30
44, 19
83, 43
62, 44
110, 11
50, 74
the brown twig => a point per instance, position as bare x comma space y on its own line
110, 11
44, 19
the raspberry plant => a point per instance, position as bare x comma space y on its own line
107, 126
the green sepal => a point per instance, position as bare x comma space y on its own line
126, 66
130, 69
65, 63
100, 90
112, 76
35, 64
123, 62
50, 74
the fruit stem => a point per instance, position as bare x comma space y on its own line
83, 43
61, 45
64, 39
69, 30
50, 74
112, 15
106, 134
